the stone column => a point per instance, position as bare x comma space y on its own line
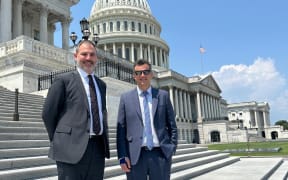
219, 107
17, 21
208, 100
203, 107
186, 114
167, 61
149, 53
181, 103
213, 107
6, 20
132, 52
141, 51
161, 58
156, 56
65, 23
176, 102
256, 119
171, 96
123, 51
43, 24
114, 49
199, 118
188, 96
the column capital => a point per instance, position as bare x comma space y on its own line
43, 9
66, 20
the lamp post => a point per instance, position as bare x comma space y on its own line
238, 122
84, 24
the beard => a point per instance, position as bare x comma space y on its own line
87, 66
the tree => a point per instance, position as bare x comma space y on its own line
283, 123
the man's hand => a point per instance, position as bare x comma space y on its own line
125, 164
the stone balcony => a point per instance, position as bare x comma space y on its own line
36, 49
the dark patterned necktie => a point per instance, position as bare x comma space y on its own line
94, 106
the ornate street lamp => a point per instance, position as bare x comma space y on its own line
84, 24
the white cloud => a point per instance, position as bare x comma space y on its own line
259, 81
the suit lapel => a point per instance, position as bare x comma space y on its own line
154, 101
80, 86
135, 99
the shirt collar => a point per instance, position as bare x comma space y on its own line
139, 91
83, 73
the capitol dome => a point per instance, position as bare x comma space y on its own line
103, 4
128, 30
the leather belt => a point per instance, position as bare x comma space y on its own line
145, 148
94, 136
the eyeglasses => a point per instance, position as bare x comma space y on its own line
145, 72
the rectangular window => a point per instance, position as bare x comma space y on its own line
145, 28
139, 27
125, 26
132, 26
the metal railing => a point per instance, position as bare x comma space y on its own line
117, 69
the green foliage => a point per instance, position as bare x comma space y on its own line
283, 145
283, 123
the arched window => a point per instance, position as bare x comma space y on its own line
104, 27
111, 26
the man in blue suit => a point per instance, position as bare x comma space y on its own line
146, 129
77, 142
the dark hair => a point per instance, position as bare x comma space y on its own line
84, 41
141, 62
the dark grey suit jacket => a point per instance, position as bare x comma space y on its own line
130, 124
66, 117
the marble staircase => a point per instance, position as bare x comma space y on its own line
24, 146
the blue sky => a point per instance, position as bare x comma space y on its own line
246, 43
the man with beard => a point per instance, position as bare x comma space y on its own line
75, 117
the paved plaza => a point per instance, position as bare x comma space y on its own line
250, 168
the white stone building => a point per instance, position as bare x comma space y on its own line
129, 31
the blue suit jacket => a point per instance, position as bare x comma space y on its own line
130, 124
66, 117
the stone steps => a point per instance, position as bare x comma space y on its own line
281, 171
24, 147
8, 144
10, 123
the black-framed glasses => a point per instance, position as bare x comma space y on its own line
145, 72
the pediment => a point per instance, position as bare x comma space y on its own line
210, 82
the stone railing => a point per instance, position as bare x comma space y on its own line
31, 46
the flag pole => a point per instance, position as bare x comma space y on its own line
201, 63
202, 51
